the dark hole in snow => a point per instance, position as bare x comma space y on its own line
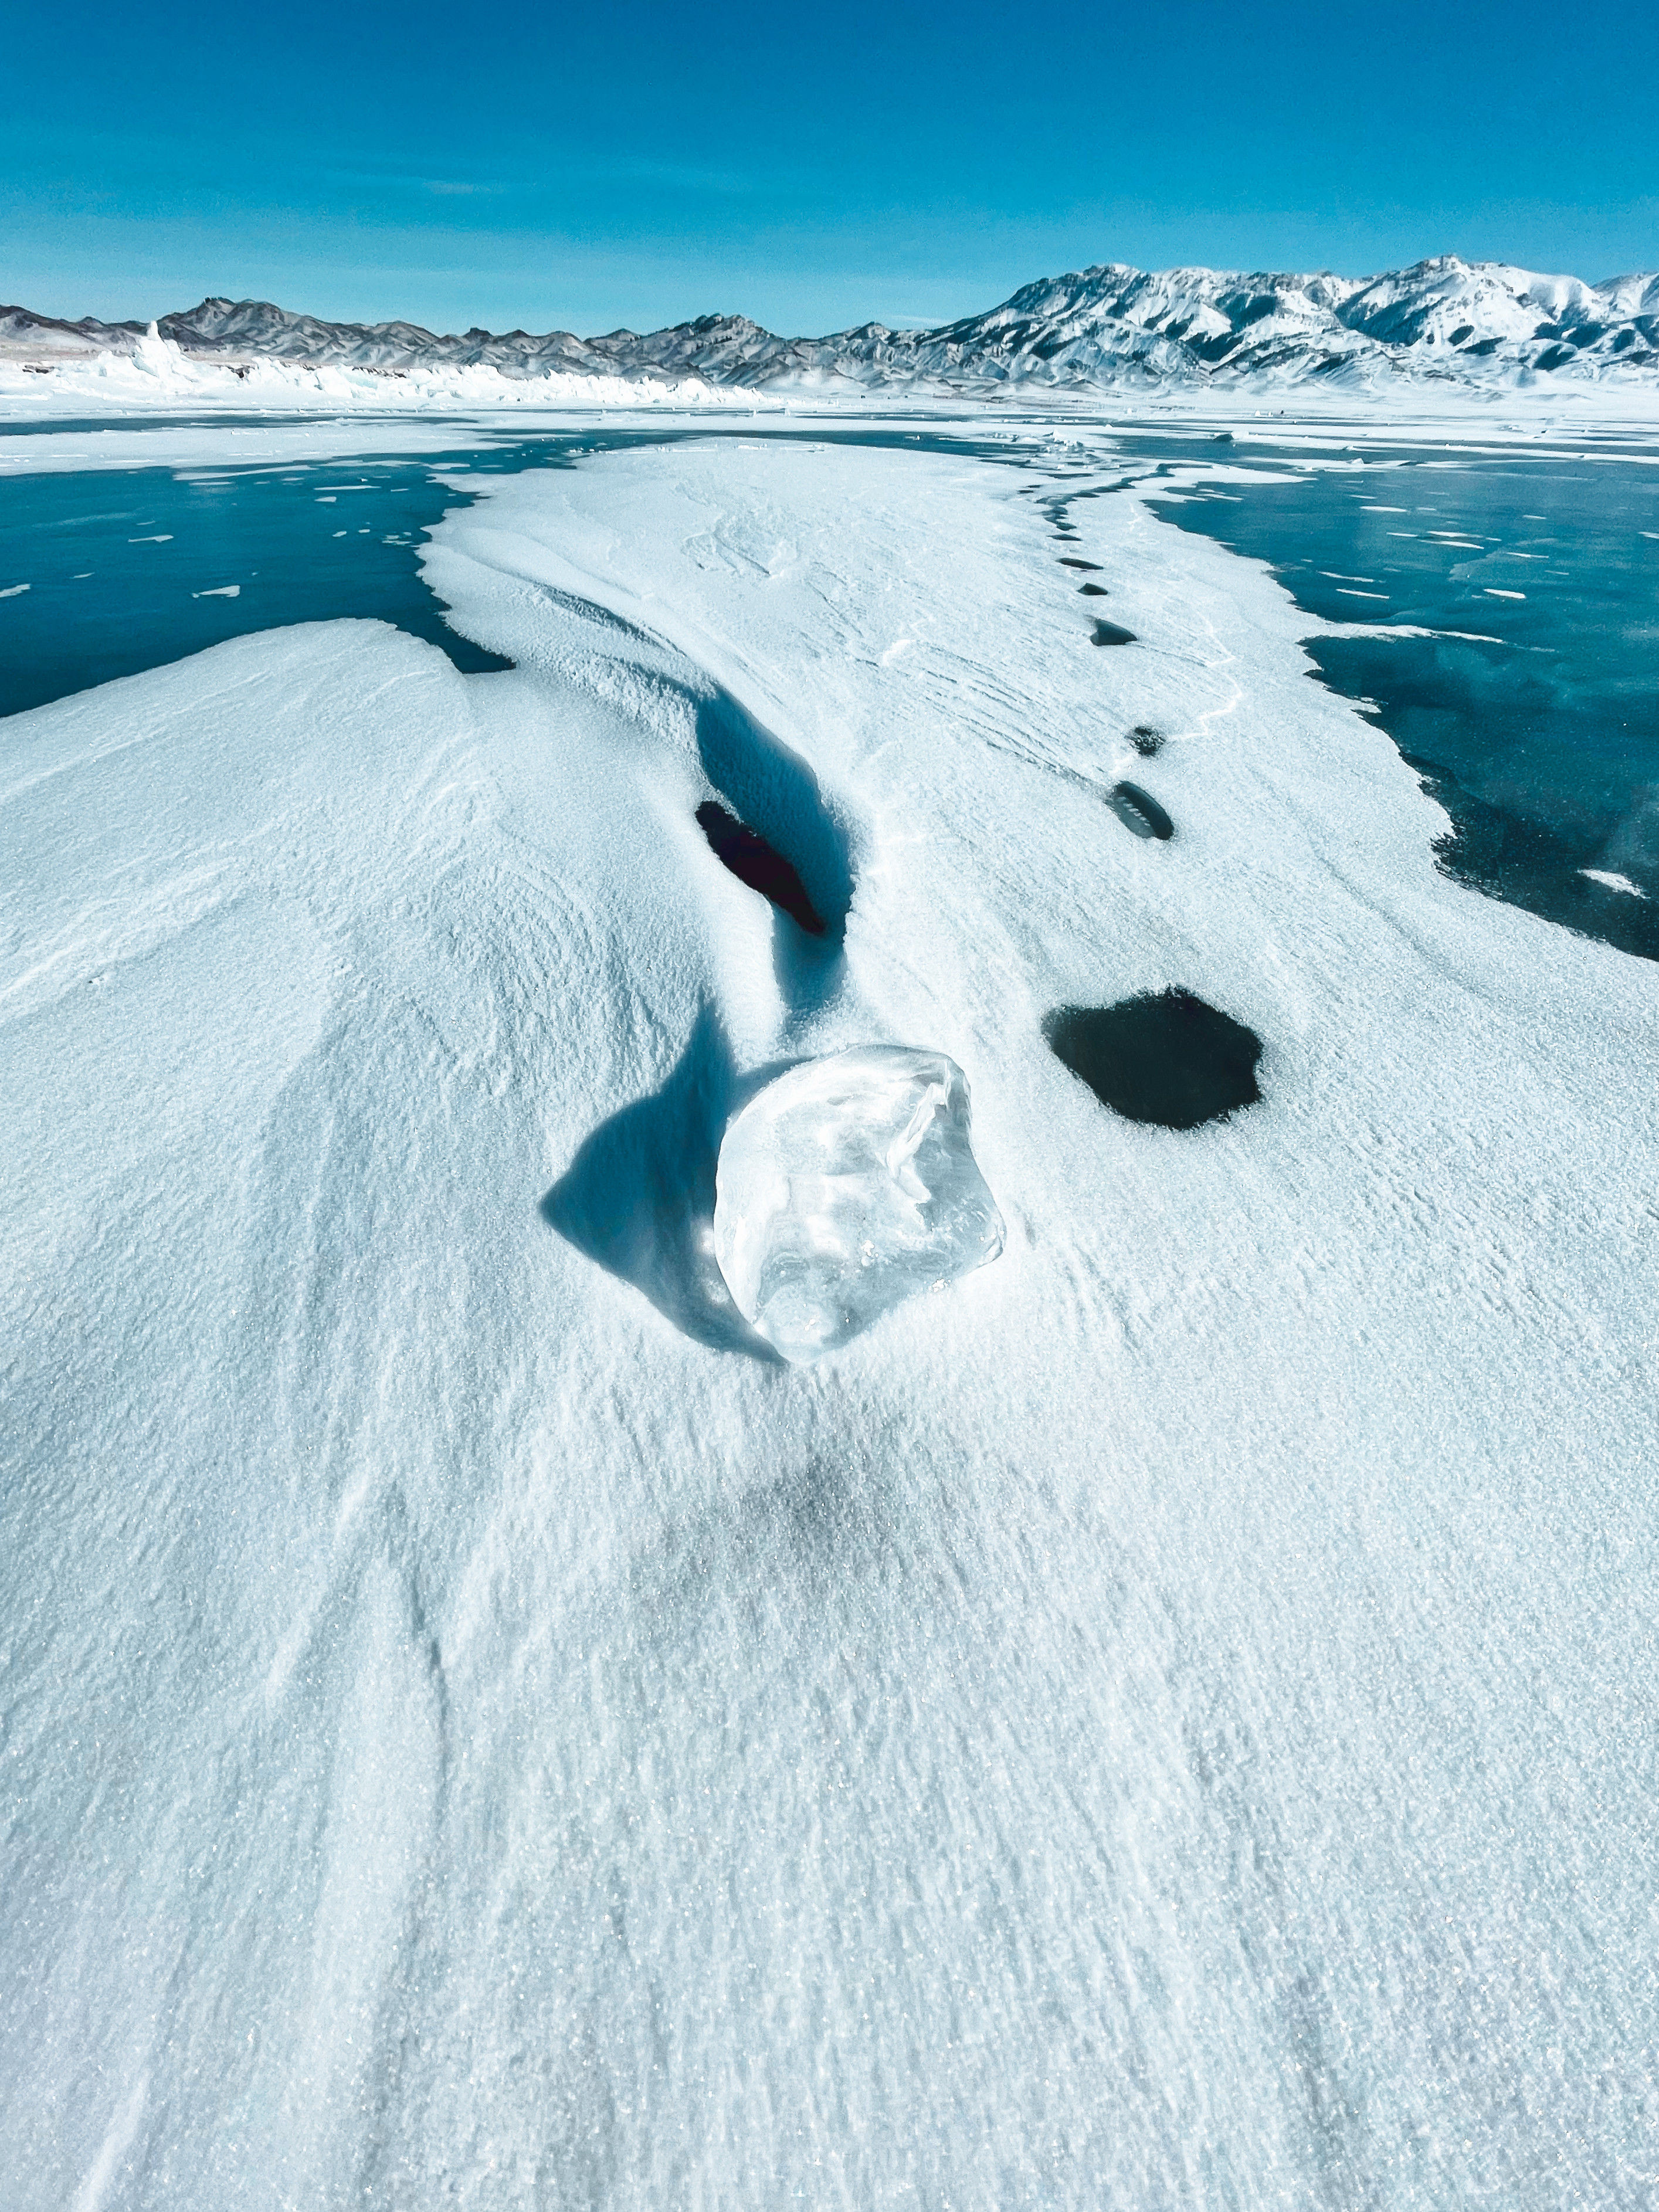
753, 862
1068, 561
1139, 811
1163, 1057
1095, 591
1107, 633
1146, 740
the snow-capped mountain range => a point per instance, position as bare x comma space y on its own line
1446, 319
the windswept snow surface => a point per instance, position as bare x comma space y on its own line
1168, 1720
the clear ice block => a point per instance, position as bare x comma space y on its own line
845, 1187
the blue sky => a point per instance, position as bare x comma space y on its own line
552, 166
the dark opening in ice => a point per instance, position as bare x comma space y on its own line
1107, 633
1146, 740
753, 862
1163, 1057
1139, 811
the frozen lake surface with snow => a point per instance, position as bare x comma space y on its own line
1516, 659
1163, 1717
1509, 647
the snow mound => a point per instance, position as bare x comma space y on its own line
845, 1187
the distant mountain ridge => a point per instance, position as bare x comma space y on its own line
1479, 323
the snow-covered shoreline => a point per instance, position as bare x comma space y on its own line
166, 432
157, 375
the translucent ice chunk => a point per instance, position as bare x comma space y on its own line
845, 1185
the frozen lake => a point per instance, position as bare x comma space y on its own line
1533, 700
1163, 1715
1523, 594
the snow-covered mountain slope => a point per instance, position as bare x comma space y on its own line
1479, 323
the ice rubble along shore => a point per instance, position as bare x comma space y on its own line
155, 371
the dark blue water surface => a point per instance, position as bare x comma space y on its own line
1537, 727
130, 569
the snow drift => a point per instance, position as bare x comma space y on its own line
1168, 1720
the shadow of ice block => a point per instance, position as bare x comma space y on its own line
845, 1187
638, 1197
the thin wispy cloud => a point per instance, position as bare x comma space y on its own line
672, 175
565, 174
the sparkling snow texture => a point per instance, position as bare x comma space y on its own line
845, 1187
1170, 1722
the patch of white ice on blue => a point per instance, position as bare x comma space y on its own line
1612, 880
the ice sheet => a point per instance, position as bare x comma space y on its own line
1170, 1722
